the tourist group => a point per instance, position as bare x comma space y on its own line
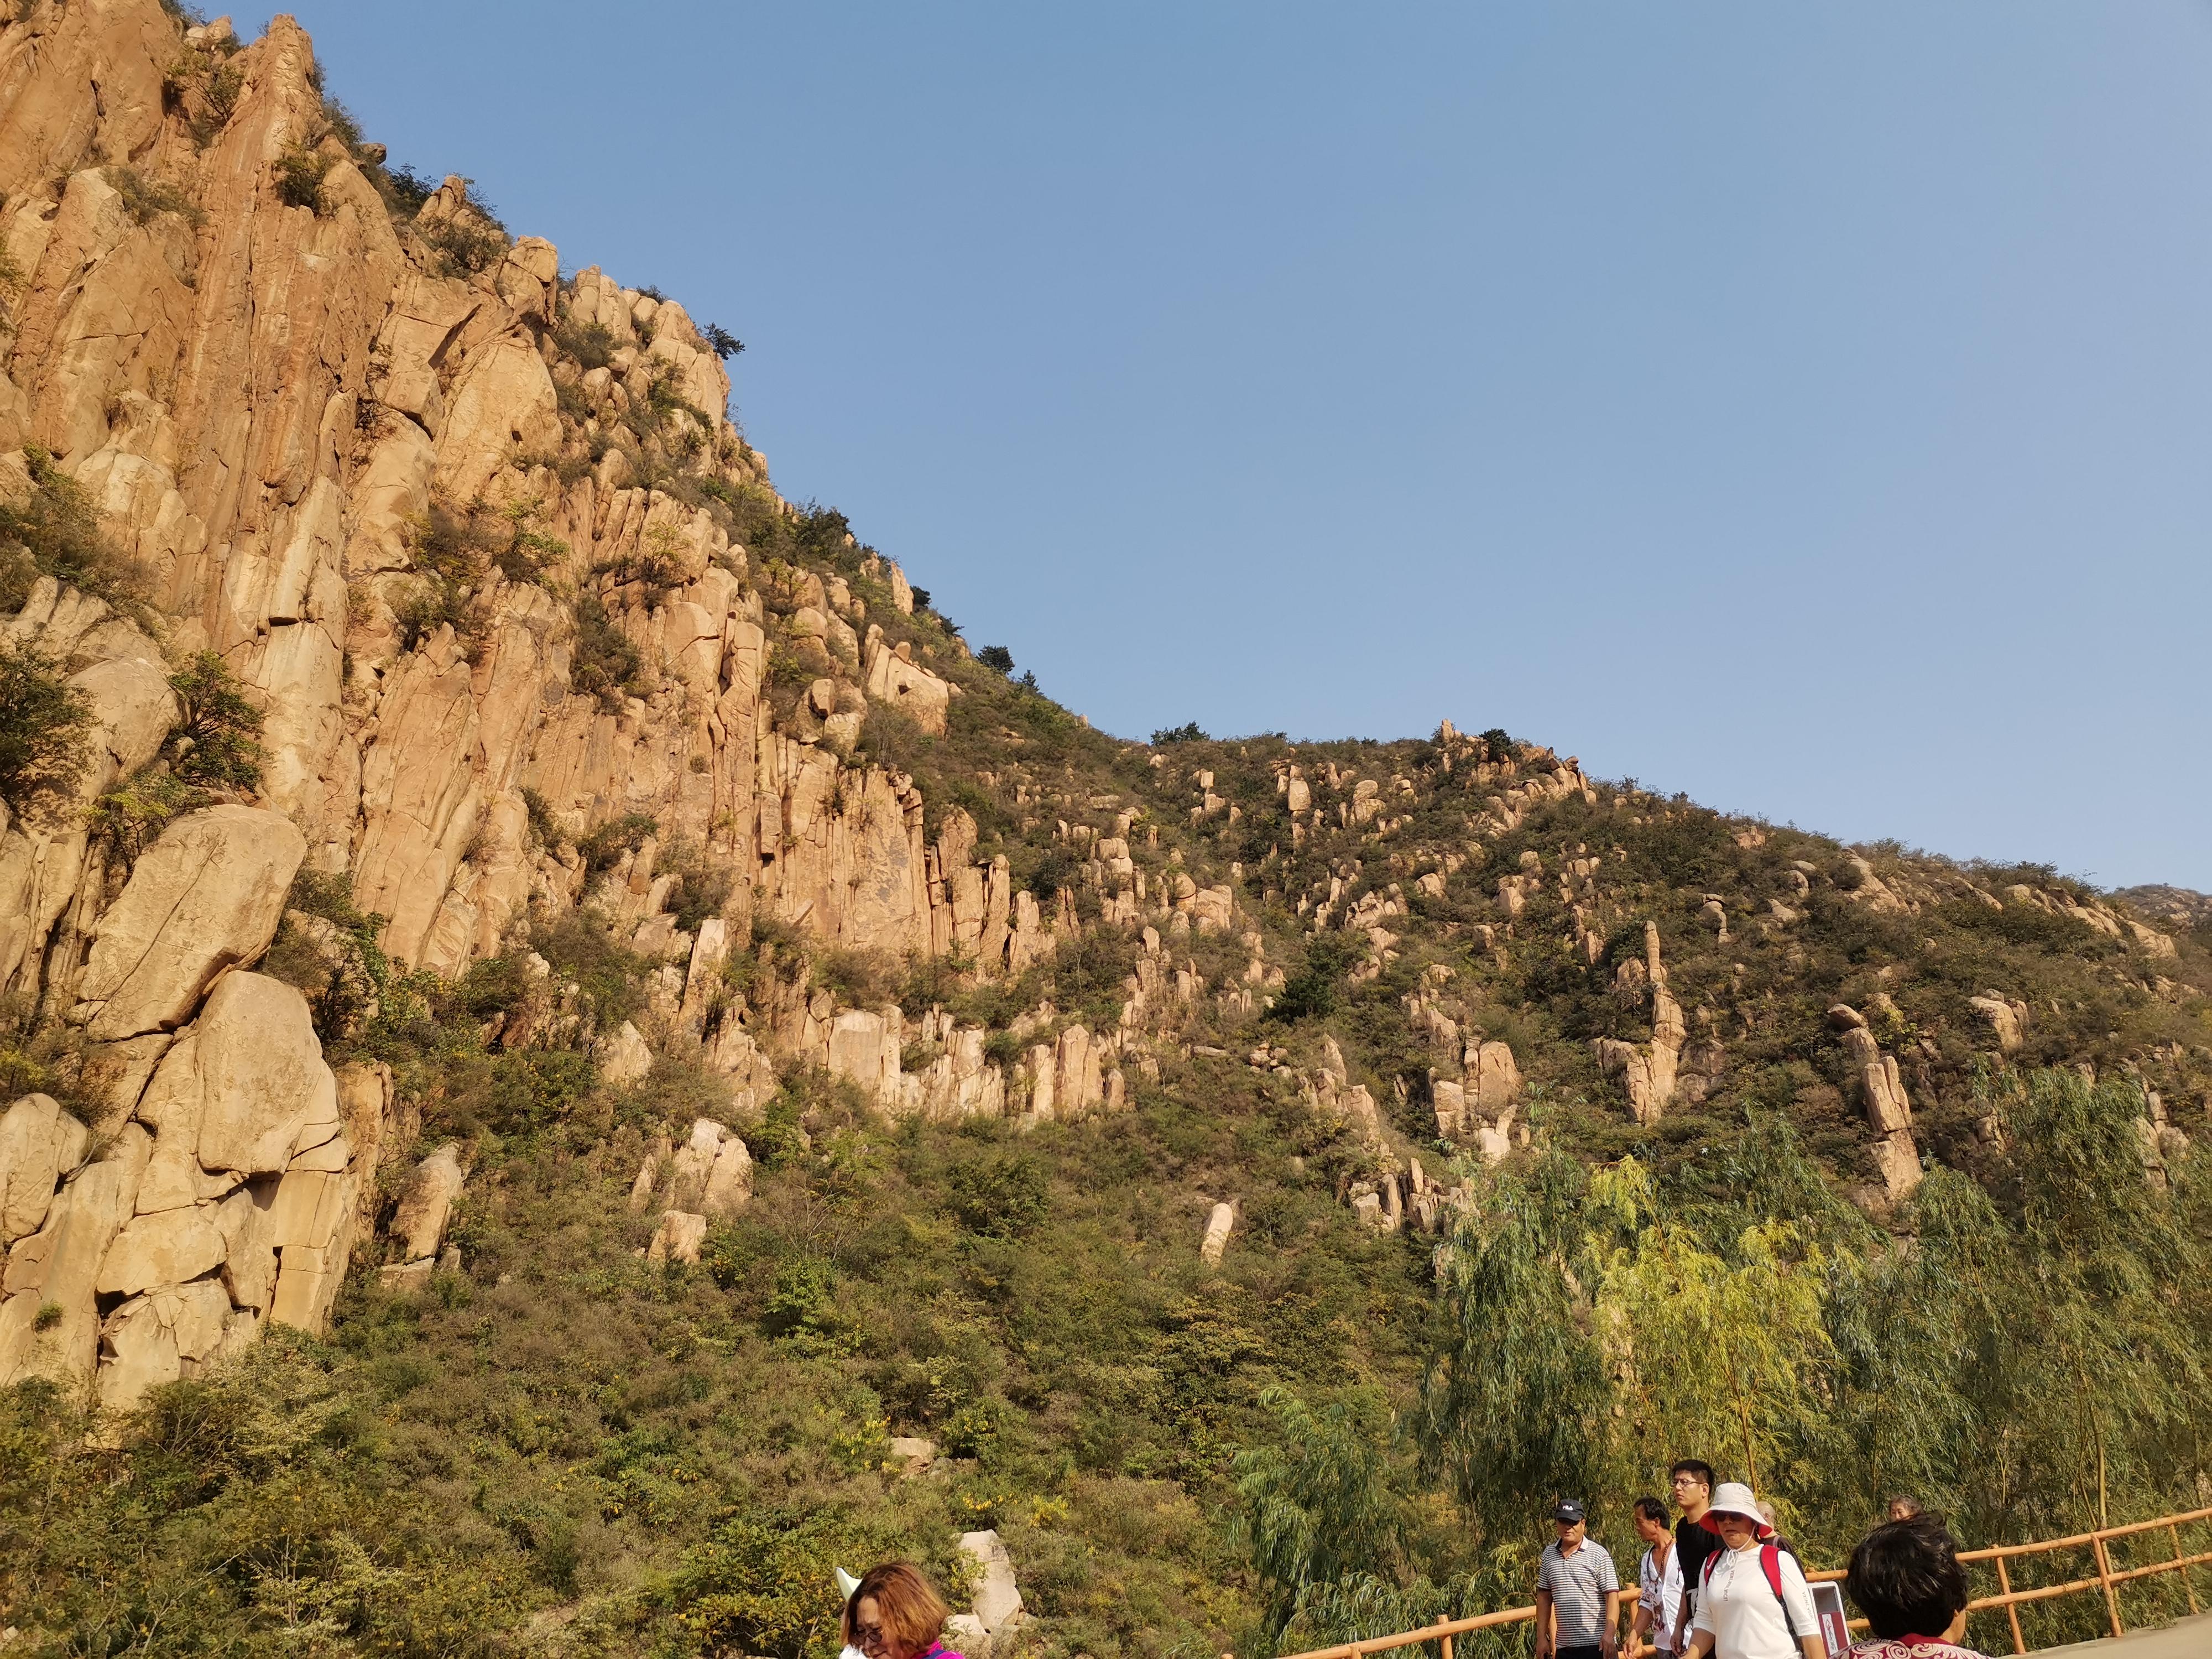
1718, 1582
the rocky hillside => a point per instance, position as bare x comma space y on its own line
576, 1055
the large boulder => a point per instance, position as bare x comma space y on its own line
58, 1265
895, 678
427, 1204
677, 1238
998, 1602
504, 403
245, 1087
39, 1144
205, 897
159, 1337
167, 1248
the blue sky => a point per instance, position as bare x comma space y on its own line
1807, 409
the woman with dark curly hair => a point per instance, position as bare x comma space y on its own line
893, 1613
1905, 1577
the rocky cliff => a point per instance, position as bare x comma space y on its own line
452, 737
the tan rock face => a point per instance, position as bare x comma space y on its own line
39, 1144
420, 1221
894, 679
2005, 1018
165, 1249
1880, 1090
1649, 1072
1219, 1223
247, 1087
677, 1238
207, 895
159, 1337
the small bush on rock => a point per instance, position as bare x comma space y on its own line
43, 720
53, 531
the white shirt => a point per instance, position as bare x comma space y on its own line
1738, 1607
1660, 1593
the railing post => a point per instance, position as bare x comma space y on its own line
2104, 1576
2012, 1609
1448, 1641
2181, 1562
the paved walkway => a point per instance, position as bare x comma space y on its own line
2190, 1639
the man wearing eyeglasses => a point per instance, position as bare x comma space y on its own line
1693, 1496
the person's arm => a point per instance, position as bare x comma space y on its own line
1609, 1641
1702, 1634
1543, 1620
1681, 1619
1797, 1599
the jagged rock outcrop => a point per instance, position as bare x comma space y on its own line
1649, 1070
228, 1195
1478, 1110
995, 1613
1220, 1221
1880, 1090
281, 405
2006, 1017
206, 895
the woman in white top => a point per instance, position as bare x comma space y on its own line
1754, 1602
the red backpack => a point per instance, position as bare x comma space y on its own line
1770, 1562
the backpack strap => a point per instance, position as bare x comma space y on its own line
1770, 1559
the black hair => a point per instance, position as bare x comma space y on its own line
1905, 1577
1652, 1508
1692, 1466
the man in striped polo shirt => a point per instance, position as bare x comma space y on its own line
1577, 1592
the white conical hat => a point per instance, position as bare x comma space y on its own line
846, 1583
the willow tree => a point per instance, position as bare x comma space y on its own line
1721, 1356
1516, 1408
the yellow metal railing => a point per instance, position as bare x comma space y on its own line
2107, 1579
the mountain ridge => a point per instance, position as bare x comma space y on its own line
557, 1008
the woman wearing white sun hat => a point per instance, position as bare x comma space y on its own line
1753, 1601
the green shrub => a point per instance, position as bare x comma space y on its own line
54, 532
404, 190
602, 848
545, 830
214, 746
609, 976
604, 664
45, 744
592, 344
217, 739
1313, 990
1190, 732
705, 883
299, 171
656, 566
131, 816
998, 1192
468, 241
537, 1088
146, 200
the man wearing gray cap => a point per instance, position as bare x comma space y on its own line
1577, 1592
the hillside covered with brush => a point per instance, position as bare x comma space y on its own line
572, 1055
